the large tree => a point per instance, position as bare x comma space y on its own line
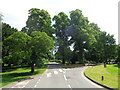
7, 30
41, 44
100, 51
80, 32
38, 20
31, 48
60, 26
17, 48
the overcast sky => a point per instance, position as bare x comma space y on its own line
102, 12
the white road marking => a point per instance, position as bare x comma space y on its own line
69, 86
66, 69
21, 84
25, 84
46, 70
64, 72
65, 78
35, 86
60, 70
39, 80
49, 75
55, 72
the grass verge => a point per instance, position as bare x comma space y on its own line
71, 65
110, 74
12, 75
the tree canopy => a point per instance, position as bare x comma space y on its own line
71, 38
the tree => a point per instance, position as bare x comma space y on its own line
1, 38
22, 46
118, 53
17, 48
40, 45
82, 36
7, 30
38, 20
60, 26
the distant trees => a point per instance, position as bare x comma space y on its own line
81, 33
30, 44
35, 41
89, 43
60, 26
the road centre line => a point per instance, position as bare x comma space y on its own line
39, 80
49, 75
60, 70
65, 77
55, 72
35, 86
69, 86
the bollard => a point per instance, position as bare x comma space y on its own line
102, 78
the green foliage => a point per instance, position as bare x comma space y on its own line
38, 20
7, 30
16, 47
82, 35
34, 43
60, 26
23, 48
41, 42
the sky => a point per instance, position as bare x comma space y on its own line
102, 12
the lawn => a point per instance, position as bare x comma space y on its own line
71, 65
110, 74
12, 75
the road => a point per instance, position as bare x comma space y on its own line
57, 77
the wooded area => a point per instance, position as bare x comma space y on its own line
45, 38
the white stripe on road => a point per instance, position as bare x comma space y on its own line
35, 86
21, 84
25, 84
65, 78
60, 70
55, 72
49, 75
39, 80
69, 86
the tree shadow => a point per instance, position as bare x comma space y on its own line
115, 65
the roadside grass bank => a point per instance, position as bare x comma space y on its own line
71, 65
110, 74
12, 75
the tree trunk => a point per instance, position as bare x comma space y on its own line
118, 64
73, 61
32, 68
63, 61
105, 65
9, 65
3, 65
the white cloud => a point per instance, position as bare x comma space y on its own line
102, 12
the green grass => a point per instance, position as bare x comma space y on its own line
12, 75
71, 65
110, 74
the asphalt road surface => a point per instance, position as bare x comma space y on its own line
57, 77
